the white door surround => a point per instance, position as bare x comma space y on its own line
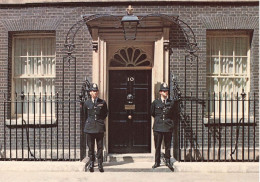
106, 43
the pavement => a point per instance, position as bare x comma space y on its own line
70, 166
126, 177
36, 171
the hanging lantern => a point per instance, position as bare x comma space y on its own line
130, 23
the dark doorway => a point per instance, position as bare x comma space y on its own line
129, 122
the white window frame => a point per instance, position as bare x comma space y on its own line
41, 116
210, 75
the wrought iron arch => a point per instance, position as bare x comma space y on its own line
190, 37
191, 43
191, 48
70, 37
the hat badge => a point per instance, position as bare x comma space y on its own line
164, 85
94, 85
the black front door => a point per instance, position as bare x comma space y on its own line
129, 122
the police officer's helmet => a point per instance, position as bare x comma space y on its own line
93, 87
164, 87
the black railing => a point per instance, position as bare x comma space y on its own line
33, 128
214, 127
219, 127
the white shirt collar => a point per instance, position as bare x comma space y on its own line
162, 99
93, 100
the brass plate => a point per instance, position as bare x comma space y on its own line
130, 107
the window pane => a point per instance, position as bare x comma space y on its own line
34, 64
30, 66
30, 86
39, 66
18, 86
34, 47
240, 83
24, 66
20, 48
241, 46
214, 65
226, 65
226, 85
48, 65
47, 86
17, 63
226, 47
215, 46
48, 45
37, 84
21, 85
241, 65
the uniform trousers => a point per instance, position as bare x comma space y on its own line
91, 137
158, 137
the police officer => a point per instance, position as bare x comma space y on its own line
162, 110
95, 113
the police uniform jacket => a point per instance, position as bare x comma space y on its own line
95, 114
164, 115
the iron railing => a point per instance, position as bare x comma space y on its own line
206, 132
219, 128
33, 128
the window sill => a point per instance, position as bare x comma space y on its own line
33, 123
228, 119
228, 122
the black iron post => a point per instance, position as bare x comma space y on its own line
243, 94
22, 102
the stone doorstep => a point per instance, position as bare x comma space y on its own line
208, 167
129, 158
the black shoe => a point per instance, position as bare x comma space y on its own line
100, 168
156, 164
169, 165
91, 167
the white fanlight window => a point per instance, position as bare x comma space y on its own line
130, 57
228, 69
34, 73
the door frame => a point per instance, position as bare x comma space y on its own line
100, 66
